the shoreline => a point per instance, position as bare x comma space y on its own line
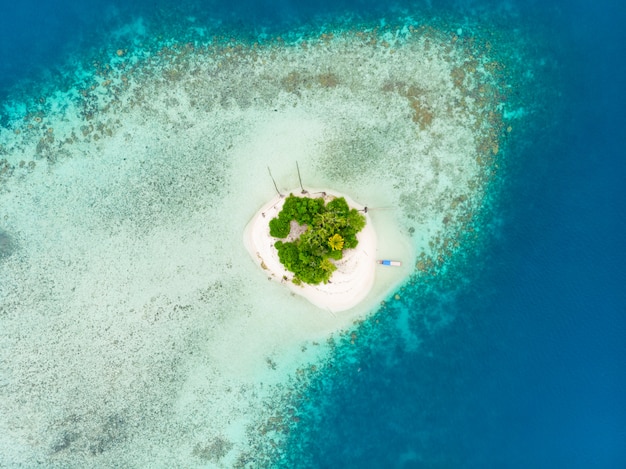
356, 275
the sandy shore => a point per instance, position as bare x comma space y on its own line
349, 285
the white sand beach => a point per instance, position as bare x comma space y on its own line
349, 284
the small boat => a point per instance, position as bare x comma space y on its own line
390, 263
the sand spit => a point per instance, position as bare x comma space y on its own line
134, 329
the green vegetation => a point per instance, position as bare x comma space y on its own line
330, 228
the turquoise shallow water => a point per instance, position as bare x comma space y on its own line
510, 359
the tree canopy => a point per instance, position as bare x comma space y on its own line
330, 229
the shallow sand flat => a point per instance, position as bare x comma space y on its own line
134, 327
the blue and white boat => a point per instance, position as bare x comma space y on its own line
389, 263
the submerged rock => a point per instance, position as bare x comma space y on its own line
7, 244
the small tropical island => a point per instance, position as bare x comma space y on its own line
315, 234
321, 245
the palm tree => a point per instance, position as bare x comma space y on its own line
335, 242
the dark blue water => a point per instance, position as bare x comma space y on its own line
532, 371
36, 35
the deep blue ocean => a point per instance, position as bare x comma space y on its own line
531, 372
